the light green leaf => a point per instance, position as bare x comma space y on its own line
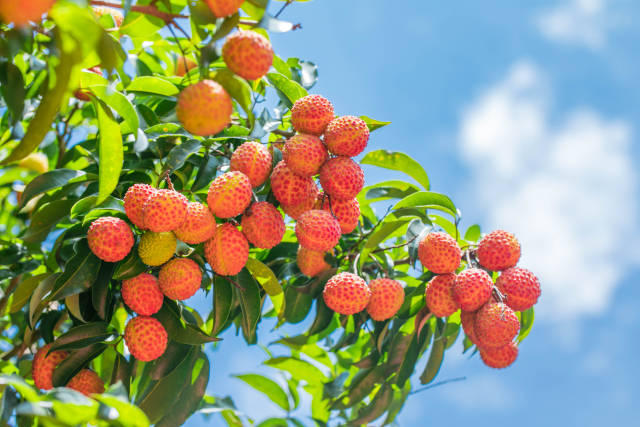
399, 162
373, 124
153, 85
264, 276
267, 386
118, 102
427, 200
110, 151
299, 369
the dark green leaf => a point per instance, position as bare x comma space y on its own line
222, 299
250, 303
48, 181
178, 330
46, 218
428, 200
79, 274
435, 361
82, 335
297, 305
76, 361
289, 90
179, 153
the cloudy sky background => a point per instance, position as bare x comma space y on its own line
526, 113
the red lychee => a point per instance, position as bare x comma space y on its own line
346, 293
439, 253
134, 200
180, 278
254, 160
248, 54
311, 114
468, 321
499, 357
311, 263
263, 225
227, 251
439, 295
110, 238
289, 188
44, 364
498, 250
142, 294
472, 289
311, 202
21, 12
224, 8
304, 154
346, 136
520, 287
318, 230
496, 325
86, 382
146, 338
229, 194
198, 226
165, 210
204, 108
184, 65
341, 178
386, 299
347, 212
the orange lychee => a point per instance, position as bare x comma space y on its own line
180, 278
142, 294
468, 320
472, 289
498, 250
146, 338
20, 13
346, 136
310, 202
311, 114
288, 188
229, 194
198, 226
134, 200
44, 363
227, 251
347, 212
224, 8
346, 293
386, 299
165, 210
86, 382
184, 64
496, 324
248, 54
110, 238
439, 253
499, 357
254, 160
520, 287
341, 178
204, 108
263, 225
439, 295
304, 154
311, 263
318, 230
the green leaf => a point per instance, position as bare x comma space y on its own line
110, 151
101, 297
324, 316
152, 85
88, 203
288, 90
21, 386
299, 369
238, 89
178, 154
222, 299
24, 291
206, 172
376, 407
46, 218
250, 304
79, 274
526, 323
178, 330
373, 124
382, 233
362, 385
297, 304
435, 361
473, 233
83, 335
399, 162
118, 102
130, 267
165, 364
428, 200
129, 415
264, 276
48, 181
12, 89
77, 360
267, 386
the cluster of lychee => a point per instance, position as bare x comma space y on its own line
488, 310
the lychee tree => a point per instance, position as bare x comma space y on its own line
158, 150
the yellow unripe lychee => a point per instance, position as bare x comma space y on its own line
157, 248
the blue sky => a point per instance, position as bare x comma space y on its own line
526, 114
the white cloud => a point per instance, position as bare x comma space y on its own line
583, 22
565, 185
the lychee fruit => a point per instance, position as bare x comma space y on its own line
224, 8
157, 248
180, 278
142, 294
311, 263
146, 338
116, 15
227, 251
304, 154
110, 238
498, 250
229, 194
134, 200
341, 178
288, 188
346, 293
499, 357
254, 160
248, 54
311, 202
21, 12
198, 226
468, 321
165, 210
184, 64
520, 287
311, 114
44, 363
263, 225
204, 108
472, 289
346, 136
439, 253
347, 212
318, 230
386, 299
86, 382
439, 295
496, 325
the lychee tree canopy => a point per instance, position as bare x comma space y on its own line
66, 161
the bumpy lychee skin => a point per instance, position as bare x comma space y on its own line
439, 253
386, 299
224, 8
227, 251
204, 108
496, 325
498, 250
346, 136
165, 210
311, 202
229, 194
254, 160
263, 225
520, 287
439, 295
288, 188
304, 154
157, 248
248, 54
110, 238
134, 200
184, 64
346, 293
146, 338
44, 364
472, 289
198, 226
142, 294
341, 178
180, 278
311, 114
86, 382
311, 263
318, 230
118, 17
21, 12
468, 321
500, 357
347, 212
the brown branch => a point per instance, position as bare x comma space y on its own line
285, 133
395, 246
147, 10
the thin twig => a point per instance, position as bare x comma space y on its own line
236, 284
408, 242
452, 380
284, 6
285, 133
